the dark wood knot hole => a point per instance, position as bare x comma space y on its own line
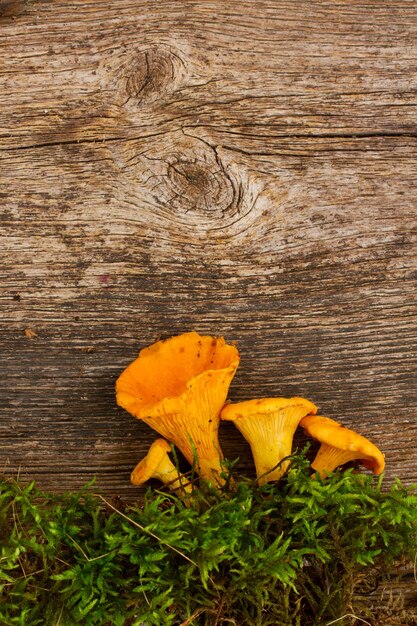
199, 187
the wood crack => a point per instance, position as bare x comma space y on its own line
284, 136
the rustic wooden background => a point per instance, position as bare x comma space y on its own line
241, 168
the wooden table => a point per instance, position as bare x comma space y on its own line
241, 168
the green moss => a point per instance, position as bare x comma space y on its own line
298, 552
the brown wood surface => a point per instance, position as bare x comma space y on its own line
242, 168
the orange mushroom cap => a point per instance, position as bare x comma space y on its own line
268, 424
157, 464
339, 445
178, 386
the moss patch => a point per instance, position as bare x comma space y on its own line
297, 552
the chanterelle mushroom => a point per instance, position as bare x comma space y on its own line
268, 424
178, 387
339, 445
157, 464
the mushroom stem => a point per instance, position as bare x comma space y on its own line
269, 452
328, 458
268, 424
192, 422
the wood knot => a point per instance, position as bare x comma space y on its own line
154, 73
199, 186
189, 182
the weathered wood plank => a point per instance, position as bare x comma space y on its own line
246, 169
315, 282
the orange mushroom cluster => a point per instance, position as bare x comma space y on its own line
179, 387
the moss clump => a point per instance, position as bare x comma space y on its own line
297, 552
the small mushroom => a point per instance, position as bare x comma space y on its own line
339, 445
157, 464
268, 424
178, 387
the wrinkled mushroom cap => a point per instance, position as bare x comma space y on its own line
330, 433
264, 406
157, 464
157, 381
178, 386
268, 424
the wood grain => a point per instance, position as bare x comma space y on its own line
242, 168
